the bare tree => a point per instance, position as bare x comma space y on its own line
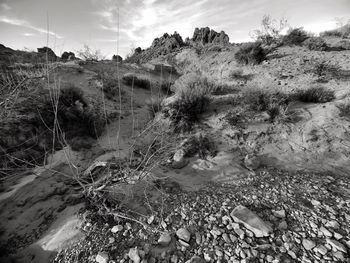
270, 29
89, 54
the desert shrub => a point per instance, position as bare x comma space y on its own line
344, 109
154, 105
270, 30
142, 82
201, 145
224, 89
275, 103
331, 33
238, 74
89, 54
259, 99
315, 43
74, 115
111, 88
186, 109
295, 36
325, 69
251, 53
315, 94
165, 87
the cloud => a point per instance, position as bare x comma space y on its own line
23, 23
5, 7
28, 34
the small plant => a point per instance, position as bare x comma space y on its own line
295, 36
270, 30
165, 87
133, 80
344, 109
251, 53
238, 74
200, 145
315, 94
154, 105
89, 54
325, 69
111, 89
315, 43
185, 111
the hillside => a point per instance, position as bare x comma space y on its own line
196, 150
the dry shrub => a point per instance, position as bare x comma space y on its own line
295, 36
315, 94
154, 105
275, 103
139, 81
199, 144
325, 70
238, 74
344, 109
315, 43
251, 53
191, 101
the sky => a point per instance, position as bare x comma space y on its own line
119, 26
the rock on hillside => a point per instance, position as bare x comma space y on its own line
206, 35
48, 51
163, 45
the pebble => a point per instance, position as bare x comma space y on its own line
134, 255
308, 244
102, 257
164, 239
336, 244
183, 234
117, 228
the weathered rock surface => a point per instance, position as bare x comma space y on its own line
206, 35
250, 220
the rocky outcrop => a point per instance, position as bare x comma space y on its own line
48, 51
206, 35
168, 42
161, 46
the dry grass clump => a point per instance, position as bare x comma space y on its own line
139, 81
275, 103
315, 94
251, 53
238, 74
199, 144
344, 109
316, 43
191, 101
325, 70
154, 105
295, 36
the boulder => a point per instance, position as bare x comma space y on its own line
48, 51
251, 221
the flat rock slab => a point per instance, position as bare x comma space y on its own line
251, 221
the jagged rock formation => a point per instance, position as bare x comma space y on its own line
163, 45
48, 51
206, 35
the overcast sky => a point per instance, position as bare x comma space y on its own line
73, 23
